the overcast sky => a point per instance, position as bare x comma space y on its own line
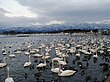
37, 12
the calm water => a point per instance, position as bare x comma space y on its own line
21, 74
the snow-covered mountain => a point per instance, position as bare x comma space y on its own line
54, 27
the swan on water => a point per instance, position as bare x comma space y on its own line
8, 79
4, 63
27, 64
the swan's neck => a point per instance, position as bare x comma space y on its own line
82, 47
4, 60
64, 59
61, 56
8, 72
44, 61
29, 58
59, 69
96, 52
52, 64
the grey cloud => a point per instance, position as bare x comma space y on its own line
65, 10
19, 21
68, 10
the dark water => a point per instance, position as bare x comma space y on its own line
92, 73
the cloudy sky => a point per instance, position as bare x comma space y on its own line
38, 12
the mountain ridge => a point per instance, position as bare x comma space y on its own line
54, 28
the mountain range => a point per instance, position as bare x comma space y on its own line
54, 28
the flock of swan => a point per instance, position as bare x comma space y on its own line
63, 49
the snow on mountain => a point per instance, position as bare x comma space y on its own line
54, 27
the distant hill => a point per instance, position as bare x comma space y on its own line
53, 28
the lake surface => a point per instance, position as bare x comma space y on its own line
92, 73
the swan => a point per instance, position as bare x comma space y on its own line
29, 45
56, 59
65, 72
55, 70
4, 63
4, 53
37, 55
11, 55
42, 64
26, 53
27, 64
78, 55
18, 52
46, 56
8, 79
63, 62
32, 52
95, 56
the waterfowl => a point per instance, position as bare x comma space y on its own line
27, 64
4, 63
8, 79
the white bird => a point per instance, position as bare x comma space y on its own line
46, 56
65, 72
53, 69
26, 53
11, 55
8, 79
4, 63
18, 52
42, 64
56, 59
4, 53
37, 55
95, 56
78, 55
32, 52
63, 62
27, 64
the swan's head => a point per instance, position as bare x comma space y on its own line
7, 68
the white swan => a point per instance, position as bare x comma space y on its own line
11, 55
28, 63
4, 63
65, 72
53, 69
26, 53
8, 79
95, 56
4, 53
32, 52
63, 62
46, 56
78, 55
18, 52
37, 55
42, 64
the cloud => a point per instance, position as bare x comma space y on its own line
72, 10
41, 11
16, 10
55, 22
36, 23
